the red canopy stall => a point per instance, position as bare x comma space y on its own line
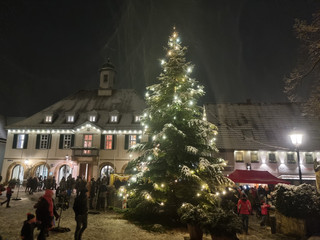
254, 176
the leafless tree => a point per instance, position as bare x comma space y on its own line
303, 83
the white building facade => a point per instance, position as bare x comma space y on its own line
86, 134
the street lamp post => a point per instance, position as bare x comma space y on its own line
296, 139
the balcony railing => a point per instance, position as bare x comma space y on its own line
85, 152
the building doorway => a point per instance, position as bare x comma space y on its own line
106, 171
17, 173
85, 171
64, 171
41, 170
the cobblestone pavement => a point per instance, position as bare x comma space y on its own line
108, 225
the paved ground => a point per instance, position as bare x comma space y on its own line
108, 225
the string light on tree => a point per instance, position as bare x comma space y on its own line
172, 116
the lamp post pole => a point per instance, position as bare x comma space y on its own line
296, 139
299, 167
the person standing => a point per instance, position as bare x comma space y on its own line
28, 227
80, 208
45, 213
264, 212
8, 195
102, 197
244, 209
92, 192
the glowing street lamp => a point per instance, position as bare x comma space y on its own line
296, 139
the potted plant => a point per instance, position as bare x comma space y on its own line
222, 222
194, 217
224, 225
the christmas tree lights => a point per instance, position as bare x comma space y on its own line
178, 164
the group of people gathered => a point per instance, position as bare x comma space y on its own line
252, 199
37, 184
46, 208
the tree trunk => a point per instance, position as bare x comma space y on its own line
195, 232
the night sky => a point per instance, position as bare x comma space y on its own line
50, 49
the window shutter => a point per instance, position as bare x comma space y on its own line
102, 142
38, 141
114, 140
49, 141
61, 141
15, 139
126, 142
25, 144
72, 140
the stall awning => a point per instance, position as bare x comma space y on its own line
254, 176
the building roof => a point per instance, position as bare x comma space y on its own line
125, 103
262, 126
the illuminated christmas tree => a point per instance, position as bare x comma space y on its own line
177, 165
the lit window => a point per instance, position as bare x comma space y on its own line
309, 158
254, 157
20, 140
70, 118
67, 141
48, 119
132, 140
108, 141
290, 158
92, 118
44, 141
87, 143
114, 118
272, 158
137, 118
239, 156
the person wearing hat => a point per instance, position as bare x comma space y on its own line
28, 227
45, 213
244, 210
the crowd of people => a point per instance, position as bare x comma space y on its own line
46, 209
252, 199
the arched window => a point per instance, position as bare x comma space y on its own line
106, 171
41, 170
64, 171
17, 173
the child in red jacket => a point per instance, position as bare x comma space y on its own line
264, 212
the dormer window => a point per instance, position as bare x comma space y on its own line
114, 119
48, 119
137, 118
70, 119
92, 118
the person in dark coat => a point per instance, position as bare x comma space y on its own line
102, 196
8, 195
92, 192
45, 213
28, 227
80, 208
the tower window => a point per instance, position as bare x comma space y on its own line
105, 78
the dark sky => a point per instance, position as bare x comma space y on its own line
50, 49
